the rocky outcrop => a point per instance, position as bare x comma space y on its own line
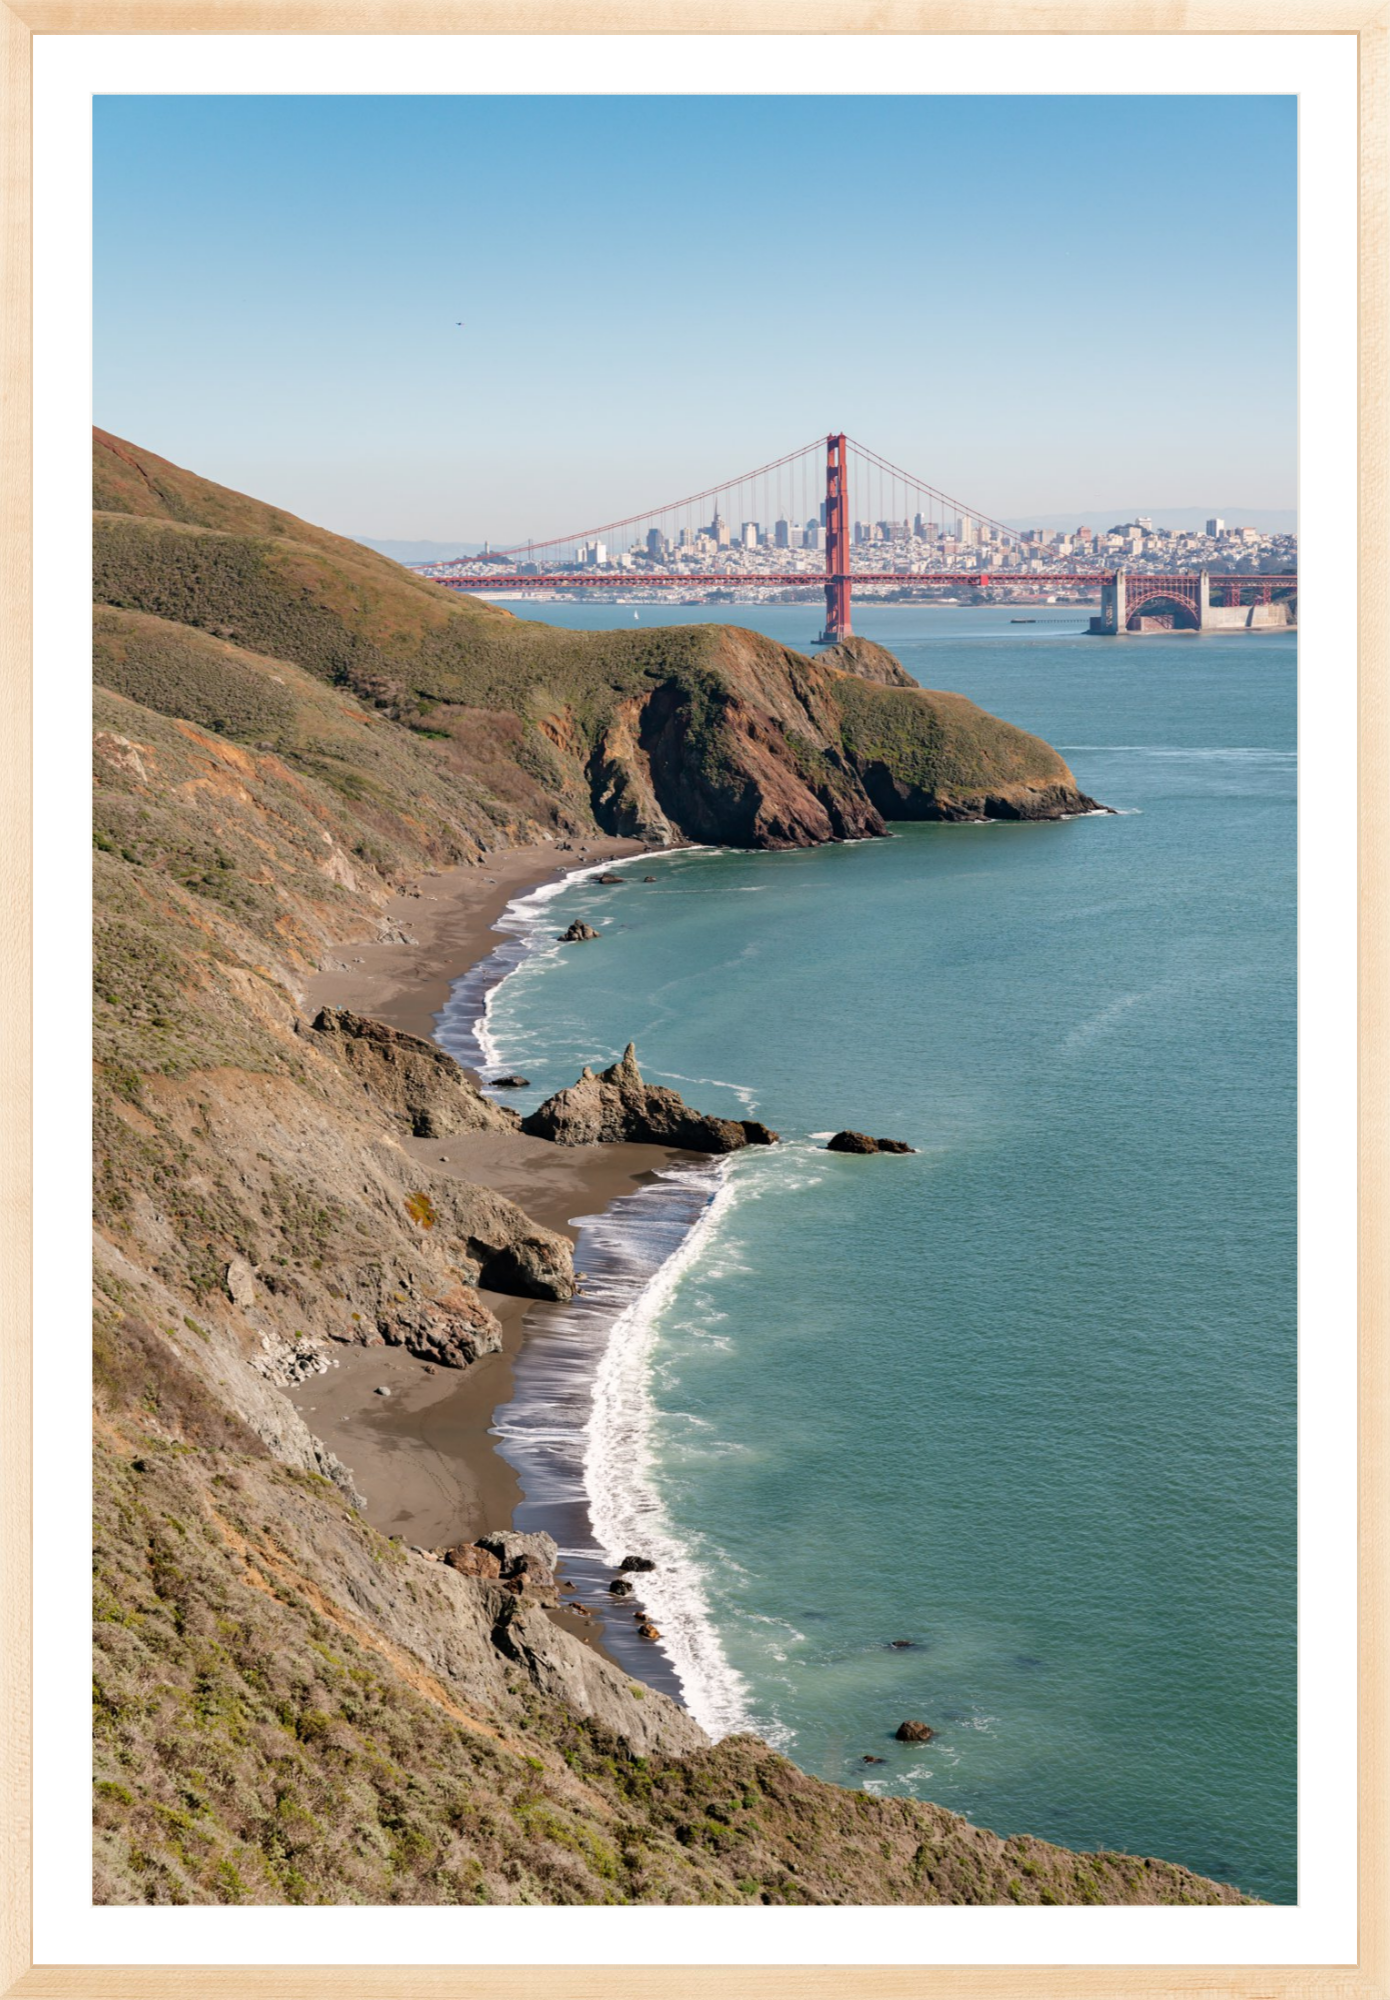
870, 662
914, 1732
620, 781
860, 1142
451, 1331
616, 1106
506, 1250
531, 1556
578, 933
565, 1670
923, 754
418, 1084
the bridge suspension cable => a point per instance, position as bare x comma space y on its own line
807, 452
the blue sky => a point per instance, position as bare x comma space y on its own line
1039, 304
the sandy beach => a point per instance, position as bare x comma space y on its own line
423, 1456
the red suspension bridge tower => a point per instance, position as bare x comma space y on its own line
837, 540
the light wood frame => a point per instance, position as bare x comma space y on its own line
20, 21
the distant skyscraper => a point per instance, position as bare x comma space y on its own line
656, 542
748, 534
783, 532
1216, 526
813, 535
719, 530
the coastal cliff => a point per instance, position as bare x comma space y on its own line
292, 736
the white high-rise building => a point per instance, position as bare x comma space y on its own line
748, 534
1216, 526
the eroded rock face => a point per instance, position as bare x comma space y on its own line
418, 1084
898, 798
451, 1331
860, 1142
560, 1667
507, 1250
617, 1106
578, 933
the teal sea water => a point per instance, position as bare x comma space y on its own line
1026, 1398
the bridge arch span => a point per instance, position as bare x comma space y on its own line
1169, 598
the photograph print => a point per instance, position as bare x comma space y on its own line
694, 1023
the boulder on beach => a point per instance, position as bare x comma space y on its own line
860, 1142
578, 933
620, 1587
628, 1563
617, 1106
610, 881
510, 1083
914, 1732
531, 1556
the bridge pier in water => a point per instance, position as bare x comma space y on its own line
1132, 605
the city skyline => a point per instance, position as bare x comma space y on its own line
279, 284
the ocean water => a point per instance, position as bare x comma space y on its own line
1026, 1398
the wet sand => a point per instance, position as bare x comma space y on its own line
423, 1455
447, 920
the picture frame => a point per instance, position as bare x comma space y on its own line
20, 24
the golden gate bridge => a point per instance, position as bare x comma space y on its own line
791, 523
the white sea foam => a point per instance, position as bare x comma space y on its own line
467, 1023
624, 1505
742, 1091
616, 1443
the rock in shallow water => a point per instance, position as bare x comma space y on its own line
616, 1105
914, 1732
578, 933
860, 1142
